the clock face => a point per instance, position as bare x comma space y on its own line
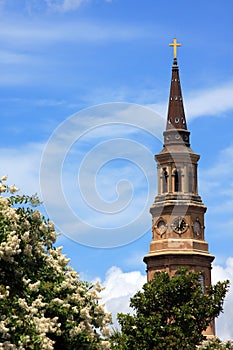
161, 227
179, 225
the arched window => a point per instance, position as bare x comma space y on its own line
177, 179
190, 181
165, 176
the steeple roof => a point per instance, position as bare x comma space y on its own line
176, 128
176, 116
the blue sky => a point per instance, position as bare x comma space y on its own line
60, 58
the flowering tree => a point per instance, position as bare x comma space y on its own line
216, 344
43, 304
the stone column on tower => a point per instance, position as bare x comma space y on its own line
178, 227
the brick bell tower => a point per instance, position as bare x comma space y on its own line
178, 212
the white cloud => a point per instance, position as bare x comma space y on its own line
212, 102
41, 31
64, 5
215, 102
32, 44
224, 322
35, 42
121, 286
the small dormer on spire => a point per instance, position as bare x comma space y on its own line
176, 129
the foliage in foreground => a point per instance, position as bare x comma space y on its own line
43, 304
170, 313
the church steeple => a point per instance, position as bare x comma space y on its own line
176, 128
178, 213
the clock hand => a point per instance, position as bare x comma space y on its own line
179, 224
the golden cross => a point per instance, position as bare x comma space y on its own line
175, 45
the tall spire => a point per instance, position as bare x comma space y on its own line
178, 214
176, 129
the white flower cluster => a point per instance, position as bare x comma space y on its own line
3, 187
215, 343
38, 289
10, 248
